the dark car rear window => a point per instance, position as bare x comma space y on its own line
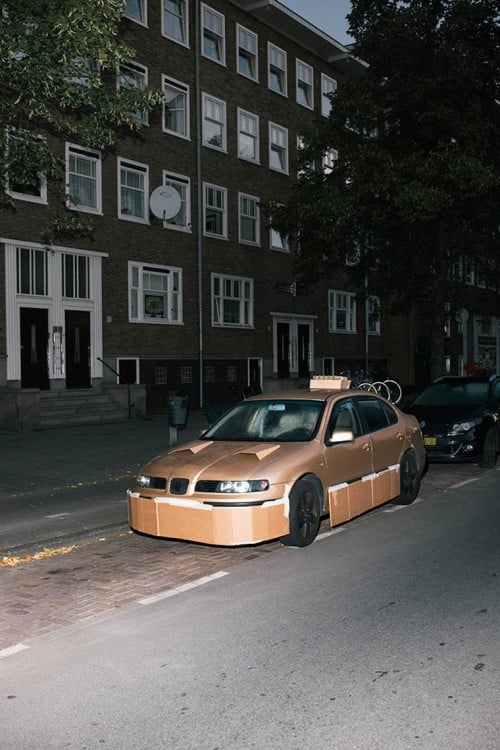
454, 394
373, 412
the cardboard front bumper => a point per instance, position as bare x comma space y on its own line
208, 524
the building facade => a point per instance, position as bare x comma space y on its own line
184, 286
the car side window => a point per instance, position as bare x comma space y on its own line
391, 415
496, 391
342, 418
373, 412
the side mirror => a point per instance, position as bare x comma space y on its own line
342, 436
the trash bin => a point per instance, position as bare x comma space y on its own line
177, 409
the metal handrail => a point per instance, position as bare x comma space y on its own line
130, 404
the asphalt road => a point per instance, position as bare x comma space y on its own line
382, 635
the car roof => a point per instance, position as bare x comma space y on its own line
308, 394
462, 379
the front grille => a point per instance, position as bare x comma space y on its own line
206, 485
178, 486
158, 483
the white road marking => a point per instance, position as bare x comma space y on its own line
461, 484
183, 587
12, 650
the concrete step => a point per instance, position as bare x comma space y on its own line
79, 407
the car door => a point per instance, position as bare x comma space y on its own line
349, 464
388, 438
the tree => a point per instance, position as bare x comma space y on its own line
415, 187
59, 61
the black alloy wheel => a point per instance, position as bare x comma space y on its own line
409, 479
489, 454
305, 514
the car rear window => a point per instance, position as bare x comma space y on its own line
451, 394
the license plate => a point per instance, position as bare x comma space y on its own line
430, 441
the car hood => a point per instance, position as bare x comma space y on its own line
220, 460
444, 415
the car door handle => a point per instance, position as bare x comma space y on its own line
367, 446
399, 436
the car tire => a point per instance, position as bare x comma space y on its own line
409, 480
489, 453
305, 514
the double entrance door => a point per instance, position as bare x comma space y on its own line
38, 347
293, 344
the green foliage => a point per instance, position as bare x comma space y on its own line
58, 77
422, 189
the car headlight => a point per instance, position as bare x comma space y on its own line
460, 428
142, 481
240, 487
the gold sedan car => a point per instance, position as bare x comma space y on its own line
275, 464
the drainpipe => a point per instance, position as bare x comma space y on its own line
199, 191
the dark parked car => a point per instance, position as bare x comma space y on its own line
460, 419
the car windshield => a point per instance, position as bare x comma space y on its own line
454, 394
269, 421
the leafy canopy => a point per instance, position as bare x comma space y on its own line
415, 187
58, 80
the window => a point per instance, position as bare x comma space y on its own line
341, 312
373, 412
353, 256
214, 122
249, 215
85, 72
278, 242
182, 220
328, 87
215, 211
175, 20
31, 271
133, 192
309, 166
232, 301
373, 315
22, 180
131, 76
305, 95
278, 148
83, 179
213, 41
75, 276
136, 10
329, 158
344, 417
186, 374
248, 136
247, 49
155, 294
176, 108
277, 78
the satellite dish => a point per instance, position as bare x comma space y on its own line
165, 202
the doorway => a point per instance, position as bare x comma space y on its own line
77, 326
34, 342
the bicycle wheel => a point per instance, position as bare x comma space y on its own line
395, 392
381, 389
367, 387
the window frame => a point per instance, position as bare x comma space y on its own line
326, 104
255, 219
184, 22
223, 211
350, 310
137, 167
218, 103
42, 196
218, 315
245, 113
94, 156
222, 36
142, 21
169, 272
274, 48
183, 88
140, 71
249, 53
274, 127
373, 306
302, 85
174, 179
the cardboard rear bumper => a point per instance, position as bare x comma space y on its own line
197, 522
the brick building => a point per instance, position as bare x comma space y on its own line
183, 284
